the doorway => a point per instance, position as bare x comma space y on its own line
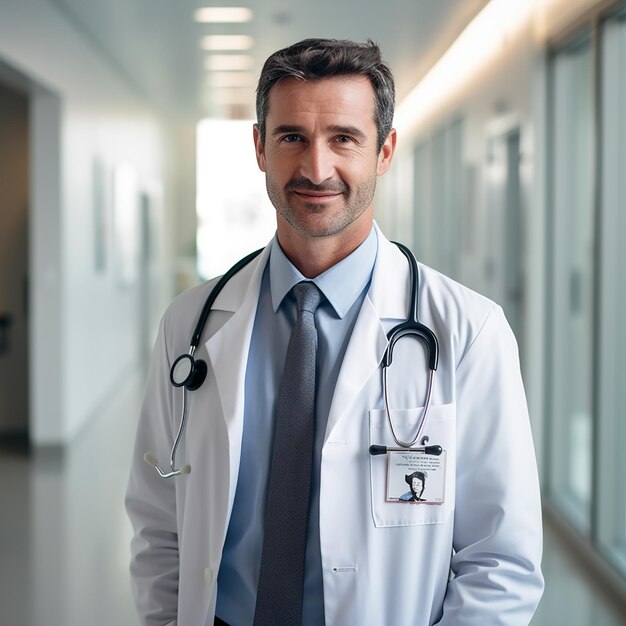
14, 288
505, 265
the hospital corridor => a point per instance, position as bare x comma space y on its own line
130, 174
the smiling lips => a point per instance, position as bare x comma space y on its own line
317, 196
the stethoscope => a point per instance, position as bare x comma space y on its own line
412, 326
189, 373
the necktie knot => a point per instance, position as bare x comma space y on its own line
308, 296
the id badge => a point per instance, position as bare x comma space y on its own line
416, 478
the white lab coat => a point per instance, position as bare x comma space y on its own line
474, 560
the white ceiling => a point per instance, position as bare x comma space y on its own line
155, 44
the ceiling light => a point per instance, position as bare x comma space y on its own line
223, 15
222, 62
226, 42
479, 45
232, 79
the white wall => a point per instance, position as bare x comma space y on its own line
84, 325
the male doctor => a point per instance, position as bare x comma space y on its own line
285, 517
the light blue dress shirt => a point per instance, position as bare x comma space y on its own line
344, 286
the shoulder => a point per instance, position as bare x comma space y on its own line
444, 297
185, 308
182, 315
457, 314
440, 297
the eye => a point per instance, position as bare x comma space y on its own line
343, 139
291, 138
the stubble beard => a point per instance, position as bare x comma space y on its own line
327, 225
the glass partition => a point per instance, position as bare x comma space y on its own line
572, 256
611, 514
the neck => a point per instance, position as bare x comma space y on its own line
314, 255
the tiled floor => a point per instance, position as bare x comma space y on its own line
63, 531
64, 537
572, 597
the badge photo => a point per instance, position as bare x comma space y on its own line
415, 478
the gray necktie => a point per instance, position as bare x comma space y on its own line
281, 578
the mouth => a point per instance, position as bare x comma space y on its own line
317, 196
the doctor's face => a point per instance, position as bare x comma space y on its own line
319, 154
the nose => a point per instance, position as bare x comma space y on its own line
317, 163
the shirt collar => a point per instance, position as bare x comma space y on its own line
341, 284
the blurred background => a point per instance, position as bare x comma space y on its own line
127, 174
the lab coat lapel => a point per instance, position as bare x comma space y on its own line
387, 298
228, 350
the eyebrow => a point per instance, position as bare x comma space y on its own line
348, 130
343, 130
285, 128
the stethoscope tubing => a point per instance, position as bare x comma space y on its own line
181, 428
400, 442
411, 326
174, 471
221, 283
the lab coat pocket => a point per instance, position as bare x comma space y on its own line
440, 428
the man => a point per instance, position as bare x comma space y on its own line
223, 544
416, 482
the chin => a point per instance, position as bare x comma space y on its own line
314, 225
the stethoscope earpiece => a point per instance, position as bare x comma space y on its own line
150, 459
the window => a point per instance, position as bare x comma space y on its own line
612, 367
572, 295
235, 215
421, 203
439, 182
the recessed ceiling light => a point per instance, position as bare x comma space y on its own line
223, 15
222, 62
232, 79
226, 42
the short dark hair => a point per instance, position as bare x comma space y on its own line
313, 59
419, 475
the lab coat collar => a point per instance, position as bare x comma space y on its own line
387, 298
235, 291
341, 284
390, 289
228, 350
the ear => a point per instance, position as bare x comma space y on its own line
386, 153
259, 148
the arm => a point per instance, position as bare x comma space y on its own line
497, 524
151, 500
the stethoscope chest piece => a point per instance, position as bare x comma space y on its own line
188, 372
